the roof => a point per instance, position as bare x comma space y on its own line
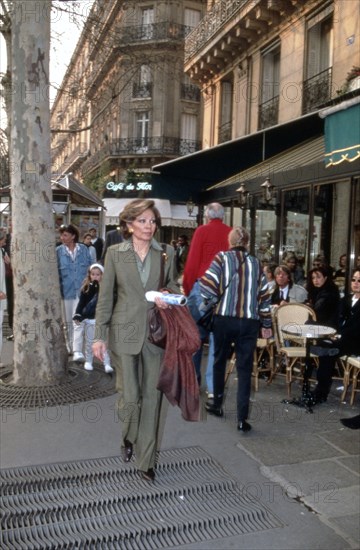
80, 194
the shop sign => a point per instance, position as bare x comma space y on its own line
139, 186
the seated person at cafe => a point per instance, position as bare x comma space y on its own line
265, 294
324, 299
329, 309
349, 324
285, 289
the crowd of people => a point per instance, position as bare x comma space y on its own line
105, 311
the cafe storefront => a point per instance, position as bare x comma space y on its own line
278, 183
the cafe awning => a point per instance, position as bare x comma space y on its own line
186, 177
175, 215
342, 132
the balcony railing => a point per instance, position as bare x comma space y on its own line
269, 113
155, 146
317, 90
190, 92
210, 24
225, 132
154, 32
142, 91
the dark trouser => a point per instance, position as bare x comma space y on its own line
243, 333
324, 376
9, 283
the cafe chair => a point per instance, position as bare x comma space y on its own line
290, 350
263, 346
346, 367
355, 364
263, 362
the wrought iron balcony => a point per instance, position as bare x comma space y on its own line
214, 20
269, 113
225, 132
190, 92
154, 32
317, 90
142, 91
136, 147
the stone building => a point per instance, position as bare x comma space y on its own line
280, 88
125, 103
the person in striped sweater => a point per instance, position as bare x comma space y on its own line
233, 278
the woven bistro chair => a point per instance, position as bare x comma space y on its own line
294, 353
262, 345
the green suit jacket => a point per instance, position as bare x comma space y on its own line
124, 320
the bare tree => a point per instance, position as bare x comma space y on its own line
40, 355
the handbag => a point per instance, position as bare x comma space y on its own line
207, 319
157, 327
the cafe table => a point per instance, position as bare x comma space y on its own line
310, 334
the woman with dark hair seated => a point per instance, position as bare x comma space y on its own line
324, 298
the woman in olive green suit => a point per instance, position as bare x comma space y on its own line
132, 268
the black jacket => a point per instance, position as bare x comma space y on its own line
325, 302
87, 303
349, 327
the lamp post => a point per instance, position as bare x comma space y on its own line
267, 189
190, 205
242, 194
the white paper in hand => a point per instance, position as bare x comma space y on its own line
172, 299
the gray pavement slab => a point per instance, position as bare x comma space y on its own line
287, 448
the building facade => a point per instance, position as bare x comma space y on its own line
125, 103
269, 71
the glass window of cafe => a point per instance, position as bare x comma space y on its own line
304, 218
306, 223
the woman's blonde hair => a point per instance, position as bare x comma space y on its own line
134, 209
238, 236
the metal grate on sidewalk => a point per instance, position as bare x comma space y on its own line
80, 385
104, 504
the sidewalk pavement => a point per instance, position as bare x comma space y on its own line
303, 467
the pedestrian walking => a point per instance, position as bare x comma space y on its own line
2, 285
84, 319
233, 279
207, 241
73, 260
132, 268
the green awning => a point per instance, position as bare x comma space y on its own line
342, 133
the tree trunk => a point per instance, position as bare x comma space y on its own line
40, 355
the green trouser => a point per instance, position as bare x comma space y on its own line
140, 403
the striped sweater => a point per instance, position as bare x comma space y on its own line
240, 298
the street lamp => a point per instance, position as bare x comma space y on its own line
190, 205
267, 189
243, 193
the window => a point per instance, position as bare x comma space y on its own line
270, 83
317, 85
226, 112
189, 91
188, 134
147, 23
143, 87
142, 132
191, 18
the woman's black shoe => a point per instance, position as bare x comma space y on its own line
127, 451
353, 423
213, 409
244, 426
149, 475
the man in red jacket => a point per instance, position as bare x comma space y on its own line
208, 240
